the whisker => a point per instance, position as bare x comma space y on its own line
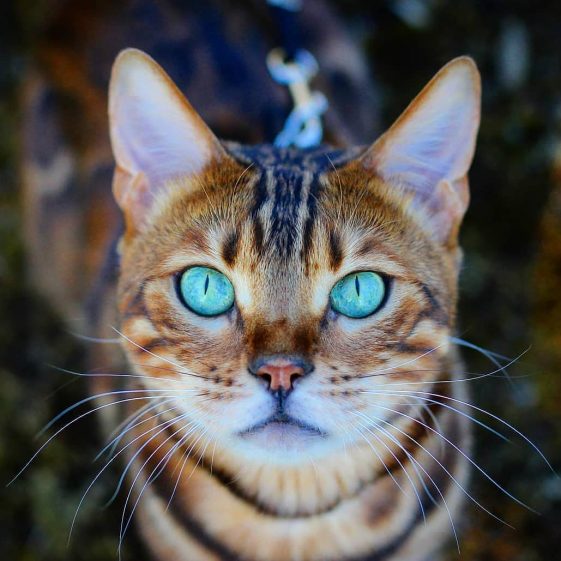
167, 424
471, 378
132, 424
135, 414
493, 416
124, 526
415, 491
393, 369
111, 374
446, 406
489, 355
384, 370
167, 457
28, 463
174, 370
132, 418
486, 352
435, 422
129, 464
107, 464
177, 366
212, 457
155, 474
340, 184
100, 340
380, 457
107, 394
468, 458
242, 174
457, 483
401, 447
186, 455
414, 462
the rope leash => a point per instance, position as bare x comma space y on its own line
294, 68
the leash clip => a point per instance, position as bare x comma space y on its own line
303, 127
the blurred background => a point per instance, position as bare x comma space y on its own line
510, 287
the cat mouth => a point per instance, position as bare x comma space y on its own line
284, 426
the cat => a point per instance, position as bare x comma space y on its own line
286, 317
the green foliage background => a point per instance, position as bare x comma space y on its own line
511, 283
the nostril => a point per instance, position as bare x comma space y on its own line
296, 377
266, 377
280, 373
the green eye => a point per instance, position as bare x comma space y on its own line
358, 295
206, 291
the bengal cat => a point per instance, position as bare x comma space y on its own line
286, 317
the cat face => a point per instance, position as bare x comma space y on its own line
274, 355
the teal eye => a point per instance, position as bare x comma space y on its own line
358, 295
206, 291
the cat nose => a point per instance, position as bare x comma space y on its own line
280, 373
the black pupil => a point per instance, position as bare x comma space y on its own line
207, 282
357, 286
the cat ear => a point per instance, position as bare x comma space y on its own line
429, 149
156, 134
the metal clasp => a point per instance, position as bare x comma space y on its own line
303, 127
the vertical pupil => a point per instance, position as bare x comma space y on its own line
357, 286
207, 281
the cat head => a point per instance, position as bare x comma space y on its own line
283, 297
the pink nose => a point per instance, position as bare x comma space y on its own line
280, 373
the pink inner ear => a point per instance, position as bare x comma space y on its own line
434, 139
154, 130
132, 192
429, 149
155, 138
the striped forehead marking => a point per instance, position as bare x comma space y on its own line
286, 195
281, 203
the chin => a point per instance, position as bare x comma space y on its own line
283, 439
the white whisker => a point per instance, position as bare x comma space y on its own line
411, 361
107, 464
132, 424
466, 456
179, 368
71, 423
446, 470
378, 439
485, 412
405, 393
124, 525
415, 462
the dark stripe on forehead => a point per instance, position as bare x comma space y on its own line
230, 247
310, 222
289, 178
278, 198
335, 250
258, 234
259, 200
288, 184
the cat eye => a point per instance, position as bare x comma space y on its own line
206, 291
358, 295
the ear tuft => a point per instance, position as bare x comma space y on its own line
156, 134
433, 141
